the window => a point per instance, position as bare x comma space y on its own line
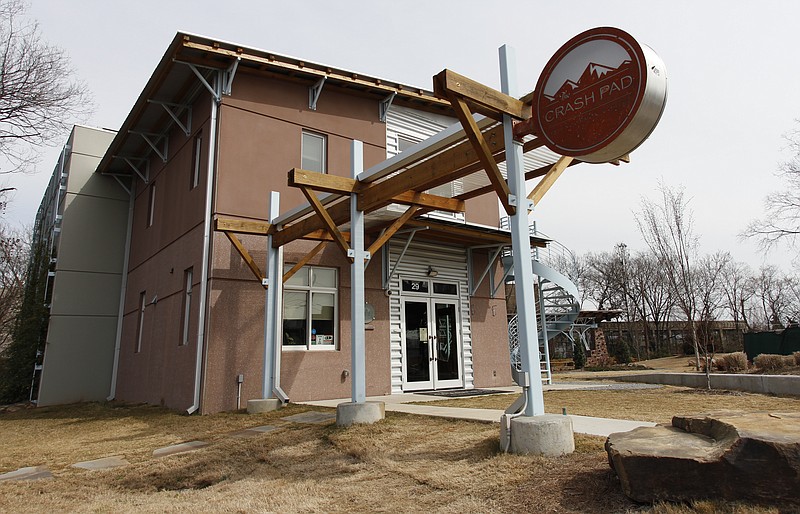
151, 205
140, 321
197, 153
405, 142
187, 305
314, 147
310, 316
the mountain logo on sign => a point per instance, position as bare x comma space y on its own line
592, 74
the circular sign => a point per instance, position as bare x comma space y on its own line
600, 96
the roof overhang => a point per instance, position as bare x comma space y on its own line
190, 59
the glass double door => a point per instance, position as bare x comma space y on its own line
431, 349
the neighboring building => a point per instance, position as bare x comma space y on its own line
215, 130
82, 222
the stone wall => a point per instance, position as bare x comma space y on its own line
599, 355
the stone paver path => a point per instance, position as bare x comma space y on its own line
252, 432
104, 463
179, 448
311, 417
29, 473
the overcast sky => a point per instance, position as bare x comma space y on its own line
732, 71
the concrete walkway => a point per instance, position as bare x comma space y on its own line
580, 424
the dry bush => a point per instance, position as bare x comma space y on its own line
788, 361
720, 363
769, 362
735, 362
796, 356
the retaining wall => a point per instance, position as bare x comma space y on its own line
779, 385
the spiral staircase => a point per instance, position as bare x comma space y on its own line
558, 303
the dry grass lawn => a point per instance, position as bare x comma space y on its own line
656, 405
403, 464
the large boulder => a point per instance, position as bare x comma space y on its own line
723, 455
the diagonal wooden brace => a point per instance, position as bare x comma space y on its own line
549, 179
248, 259
330, 225
485, 155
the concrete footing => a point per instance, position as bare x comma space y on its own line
549, 435
368, 412
262, 405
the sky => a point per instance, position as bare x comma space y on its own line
731, 66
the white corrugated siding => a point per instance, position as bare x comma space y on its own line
416, 126
451, 263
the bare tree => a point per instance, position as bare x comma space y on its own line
710, 294
772, 297
667, 228
736, 285
39, 97
13, 264
782, 219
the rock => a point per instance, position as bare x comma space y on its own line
722, 455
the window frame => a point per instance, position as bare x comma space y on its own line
142, 305
151, 205
197, 159
188, 278
324, 157
310, 290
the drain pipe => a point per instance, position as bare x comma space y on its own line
201, 324
122, 292
516, 409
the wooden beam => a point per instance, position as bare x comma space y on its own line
391, 230
428, 201
305, 260
339, 212
449, 82
549, 179
342, 185
322, 181
485, 155
538, 172
248, 259
237, 226
329, 224
324, 235
437, 170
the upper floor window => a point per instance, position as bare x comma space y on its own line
314, 150
197, 153
151, 205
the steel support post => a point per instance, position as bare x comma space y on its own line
272, 310
357, 254
520, 241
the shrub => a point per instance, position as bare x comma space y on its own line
769, 362
736, 361
796, 356
720, 363
579, 355
788, 361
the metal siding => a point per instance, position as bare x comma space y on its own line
451, 263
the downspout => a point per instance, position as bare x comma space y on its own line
122, 292
204, 273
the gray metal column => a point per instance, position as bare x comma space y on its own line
358, 352
520, 241
272, 310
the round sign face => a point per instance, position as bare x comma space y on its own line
599, 96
